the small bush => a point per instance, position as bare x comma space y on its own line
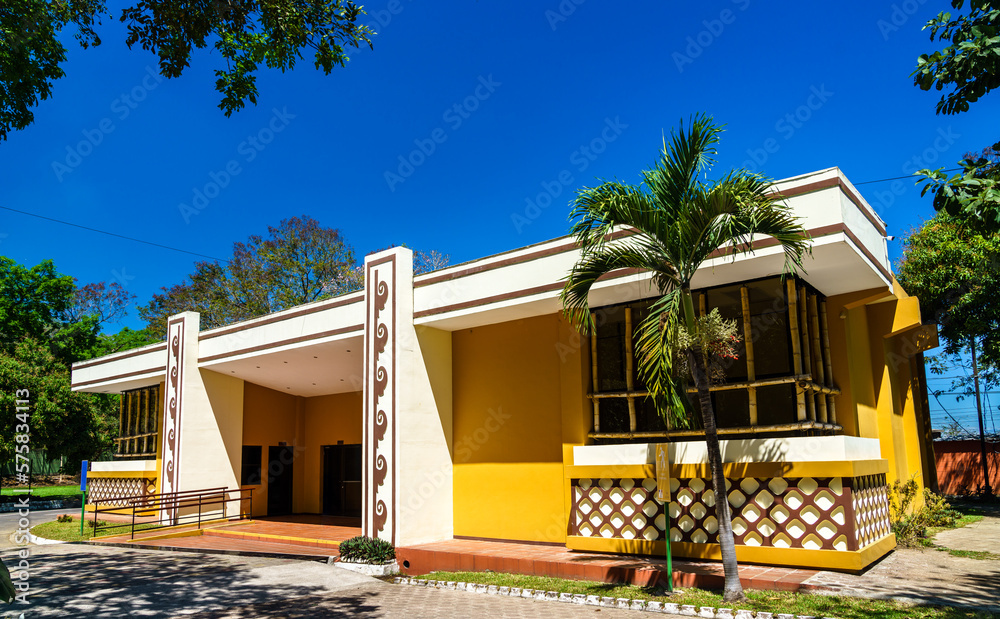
367, 550
910, 525
64, 518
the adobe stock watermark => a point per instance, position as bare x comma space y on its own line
22, 467
900, 14
882, 200
121, 107
454, 117
787, 126
562, 12
248, 150
579, 160
713, 29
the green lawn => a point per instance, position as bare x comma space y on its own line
71, 490
70, 531
770, 601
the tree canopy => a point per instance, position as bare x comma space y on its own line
245, 33
954, 269
297, 262
966, 69
46, 323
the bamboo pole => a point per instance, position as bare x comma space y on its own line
593, 373
629, 381
748, 347
121, 419
793, 327
831, 402
806, 349
820, 372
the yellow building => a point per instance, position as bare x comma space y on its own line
460, 403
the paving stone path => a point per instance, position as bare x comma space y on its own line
930, 576
71, 580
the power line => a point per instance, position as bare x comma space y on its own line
949, 414
897, 178
121, 236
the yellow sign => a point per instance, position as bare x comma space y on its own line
662, 474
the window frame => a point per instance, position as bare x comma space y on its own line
810, 365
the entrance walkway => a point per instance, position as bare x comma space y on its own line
558, 562
298, 536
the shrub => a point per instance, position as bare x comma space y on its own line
910, 525
367, 550
64, 518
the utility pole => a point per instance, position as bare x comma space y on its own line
982, 433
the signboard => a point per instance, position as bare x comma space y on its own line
83, 475
662, 473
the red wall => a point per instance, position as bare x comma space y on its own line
959, 468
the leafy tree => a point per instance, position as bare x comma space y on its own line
954, 269
297, 262
968, 68
680, 222
65, 423
245, 33
38, 302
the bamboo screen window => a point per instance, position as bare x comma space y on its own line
138, 423
782, 380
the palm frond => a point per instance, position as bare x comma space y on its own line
656, 350
631, 253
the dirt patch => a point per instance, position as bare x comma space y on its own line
41, 481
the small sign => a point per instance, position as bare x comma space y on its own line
662, 473
84, 467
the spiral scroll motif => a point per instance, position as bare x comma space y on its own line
382, 366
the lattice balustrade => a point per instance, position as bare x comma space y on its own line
823, 513
871, 509
104, 488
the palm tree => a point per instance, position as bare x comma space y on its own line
679, 221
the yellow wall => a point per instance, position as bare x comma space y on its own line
875, 367
328, 419
307, 424
519, 394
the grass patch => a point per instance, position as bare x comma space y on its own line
769, 601
983, 555
69, 530
71, 490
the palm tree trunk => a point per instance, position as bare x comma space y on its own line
733, 590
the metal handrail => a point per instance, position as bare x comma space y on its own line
169, 504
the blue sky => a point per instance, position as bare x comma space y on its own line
552, 96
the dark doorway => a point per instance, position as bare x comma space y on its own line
342, 480
279, 480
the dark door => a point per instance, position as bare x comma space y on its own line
279, 481
342, 480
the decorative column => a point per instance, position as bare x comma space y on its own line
379, 476
182, 346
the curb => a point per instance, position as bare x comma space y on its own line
42, 541
708, 612
11, 506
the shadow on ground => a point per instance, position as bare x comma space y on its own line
84, 581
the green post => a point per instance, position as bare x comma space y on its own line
83, 515
670, 560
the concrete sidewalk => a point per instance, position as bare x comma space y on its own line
928, 575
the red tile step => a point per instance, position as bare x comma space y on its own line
559, 562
